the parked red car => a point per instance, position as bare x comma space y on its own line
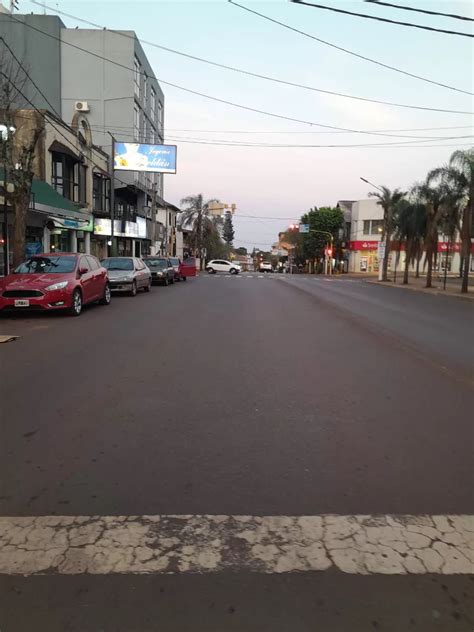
55, 281
187, 268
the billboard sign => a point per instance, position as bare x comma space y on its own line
145, 158
304, 228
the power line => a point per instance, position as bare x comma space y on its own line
261, 76
349, 52
150, 137
405, 8
379, 19
213, 98
231, 143
43, 115
118, 129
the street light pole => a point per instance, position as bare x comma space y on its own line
113, 250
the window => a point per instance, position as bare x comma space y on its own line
137, 77
160, 117
145, 88
80, 176
93, 263
49, 265
153, 104
68, 177
373, 226
377, 226
84, 263
101, 193
136, 122
145, 131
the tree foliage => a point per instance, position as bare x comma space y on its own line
324, 219
228, 232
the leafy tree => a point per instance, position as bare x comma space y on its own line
228, 232
325, 219
19, 136
458, 175
241, 251
388, 200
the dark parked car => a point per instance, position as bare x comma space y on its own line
161, 268
55, 281
127, 274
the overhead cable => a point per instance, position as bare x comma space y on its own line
379, 19
417, 10
265, 77
349, 52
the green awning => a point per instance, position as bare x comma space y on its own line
45, 199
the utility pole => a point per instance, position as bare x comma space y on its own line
113, 250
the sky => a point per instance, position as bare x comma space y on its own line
284, 182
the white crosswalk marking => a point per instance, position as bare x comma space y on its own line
379, 544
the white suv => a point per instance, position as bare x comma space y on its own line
220, 265
265, 266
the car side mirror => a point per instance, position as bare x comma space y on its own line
83, 270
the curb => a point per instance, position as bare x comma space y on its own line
430, 291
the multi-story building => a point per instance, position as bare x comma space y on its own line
363, 227
123, 100
105, 75
66, 166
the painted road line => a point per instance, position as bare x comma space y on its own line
359, 544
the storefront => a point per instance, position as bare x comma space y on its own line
363, 256
131, 237
65, 227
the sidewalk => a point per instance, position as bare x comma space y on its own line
453, 285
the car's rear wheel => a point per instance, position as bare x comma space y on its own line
172, 281
76, 303
184, 278
211, 270
133, 291
166, 282
147, 288
105, 300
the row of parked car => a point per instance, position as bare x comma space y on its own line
68, 281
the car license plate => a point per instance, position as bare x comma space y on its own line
21, 302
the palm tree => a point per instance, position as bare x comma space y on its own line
196, 215
434, 199
410, 227
387, 200
458, 175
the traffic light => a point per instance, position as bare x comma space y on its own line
329, 252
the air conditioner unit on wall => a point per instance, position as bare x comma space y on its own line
81, 106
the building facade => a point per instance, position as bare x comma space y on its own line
106, 76
66, 165
123, 100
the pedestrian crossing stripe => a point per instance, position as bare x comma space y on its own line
356, 544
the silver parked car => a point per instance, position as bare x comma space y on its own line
127, 274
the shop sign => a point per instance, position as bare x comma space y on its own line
363, 245
73, 224
135, 230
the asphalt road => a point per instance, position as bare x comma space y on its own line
240, 396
